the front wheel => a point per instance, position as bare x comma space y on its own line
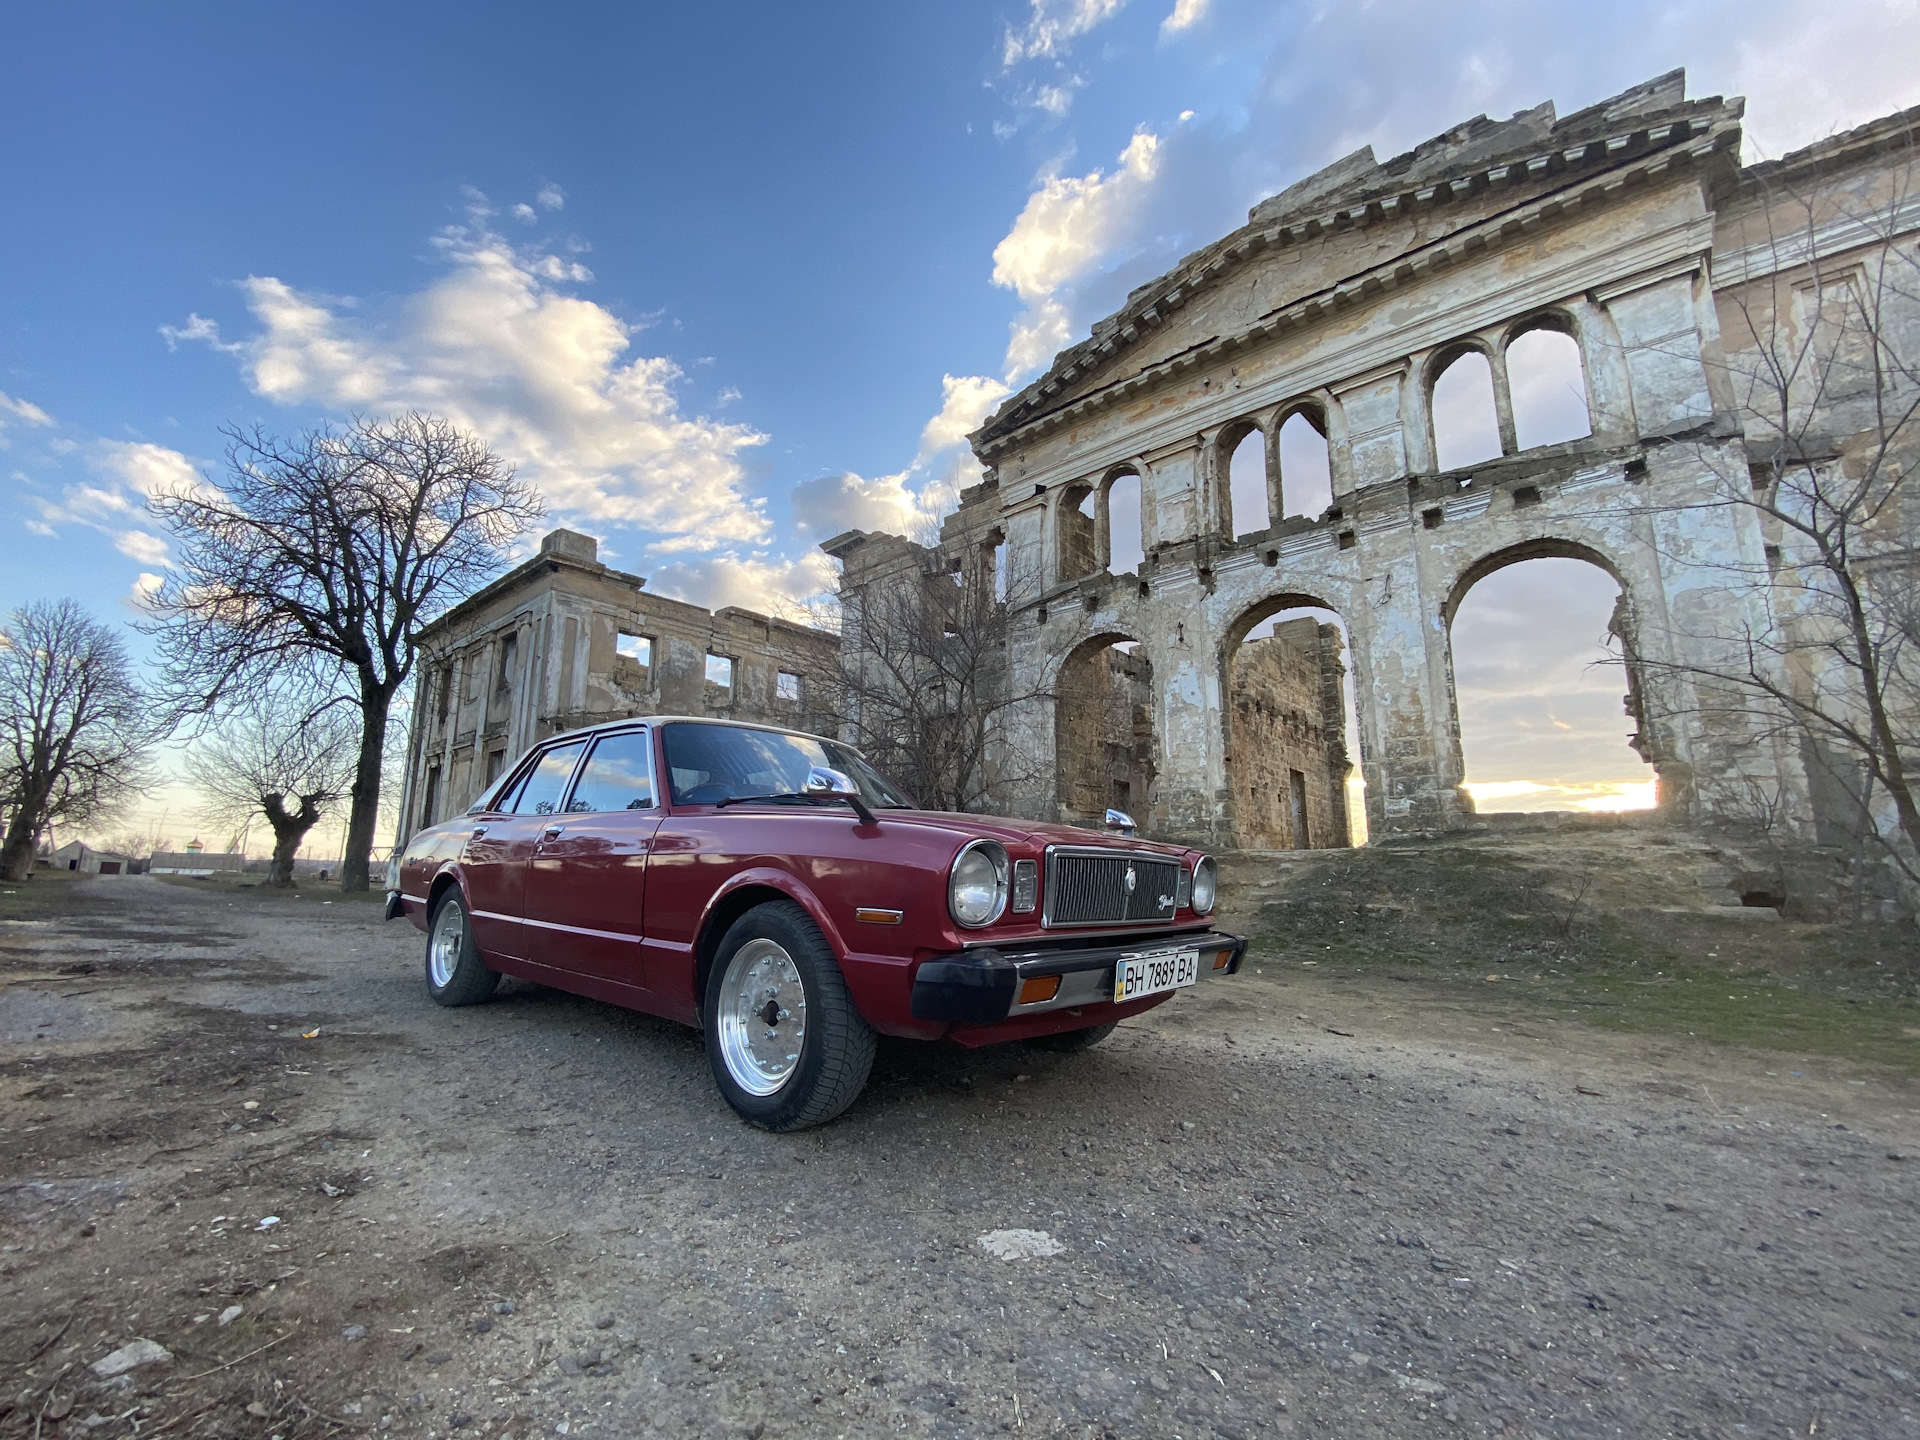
456, 975
787, 1047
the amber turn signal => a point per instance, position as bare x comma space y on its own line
1220, 959
1041, 987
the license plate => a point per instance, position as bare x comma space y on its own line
1138, 975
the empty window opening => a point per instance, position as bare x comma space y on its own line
720, 673
1125, 554
786, 687
496, 762
509, 655
444, 705
1293, 738
1538, 682
1306, 468
1525, 496
1103, 719
1549, 389
1000, 570
1434, 518
429, 796
1466, 428
637, 648
1247, 485
1076, 533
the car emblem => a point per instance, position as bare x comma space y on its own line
1133, 879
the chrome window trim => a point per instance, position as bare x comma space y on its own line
1101, 852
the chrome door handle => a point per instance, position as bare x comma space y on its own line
552, 830
478, 831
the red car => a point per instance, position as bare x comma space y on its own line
771, 888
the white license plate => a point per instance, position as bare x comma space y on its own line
1138, 975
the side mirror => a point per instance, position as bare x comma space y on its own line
1120, 822
824, 781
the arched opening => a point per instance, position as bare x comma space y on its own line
1125, 553
1540, 667
1306, 466
1248, 508
1549, 388
1466, 426
1293, 778
1076, 548
1103, 731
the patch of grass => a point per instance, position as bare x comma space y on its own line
1504, 936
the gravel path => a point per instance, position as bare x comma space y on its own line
537, 1217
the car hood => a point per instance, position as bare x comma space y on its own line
1011, 831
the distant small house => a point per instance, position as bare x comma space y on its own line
79, 856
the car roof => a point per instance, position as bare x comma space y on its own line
633, 720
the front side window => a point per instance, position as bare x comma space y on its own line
710, 763
541, 793
617, 776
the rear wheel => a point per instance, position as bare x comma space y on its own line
1072, 1041
456, 975
787, 1047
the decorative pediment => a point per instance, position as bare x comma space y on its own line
1479, 184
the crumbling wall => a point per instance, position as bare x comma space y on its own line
1287, 747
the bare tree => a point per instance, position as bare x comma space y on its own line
332, 549
1820, 322
286, 763
74, 726
923, 688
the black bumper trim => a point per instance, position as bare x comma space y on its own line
977, 987
396, 905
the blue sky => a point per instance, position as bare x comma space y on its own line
721, 279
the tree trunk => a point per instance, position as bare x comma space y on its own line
288, 832
374, 703
23, 825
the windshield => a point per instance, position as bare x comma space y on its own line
710, 763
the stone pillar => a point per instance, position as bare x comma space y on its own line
1603, 358
1659, 328
1189, 716
1375, 444
1172, 478
1503, 399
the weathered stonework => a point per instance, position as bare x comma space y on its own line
1626, 226
539, 651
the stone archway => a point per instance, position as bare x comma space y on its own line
1106, 753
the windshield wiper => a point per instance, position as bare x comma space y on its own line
859, 805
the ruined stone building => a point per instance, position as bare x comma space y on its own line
1626, 236
564, 641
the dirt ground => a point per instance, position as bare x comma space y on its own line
1311, 1200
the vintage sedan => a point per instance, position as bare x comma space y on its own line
774, 890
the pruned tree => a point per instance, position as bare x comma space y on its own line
75, 727
330, 550
1820, 329
924, 690
286, 763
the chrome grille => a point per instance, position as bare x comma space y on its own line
1089, 887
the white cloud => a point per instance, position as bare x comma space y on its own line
827, 506
551, 197
145, 586
1052, 27
1186, 14
25, 411
542, 375
769, 584
145, 469
966, 401
140, 545
524, 213
198, 329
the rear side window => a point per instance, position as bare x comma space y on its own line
617, 776
548, 782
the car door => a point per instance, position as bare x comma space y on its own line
588, 872
494, 865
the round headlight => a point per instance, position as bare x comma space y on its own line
977, 888
1206, 880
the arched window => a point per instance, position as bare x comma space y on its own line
1538, 683
1103, 730
1075, 535
1292, 742
1549, 388
1306, 467
1125, 553
1247, 484
1466, 427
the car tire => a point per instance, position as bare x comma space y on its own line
456, 975
1072, 1042
774, 1073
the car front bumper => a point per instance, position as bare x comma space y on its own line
981, 987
